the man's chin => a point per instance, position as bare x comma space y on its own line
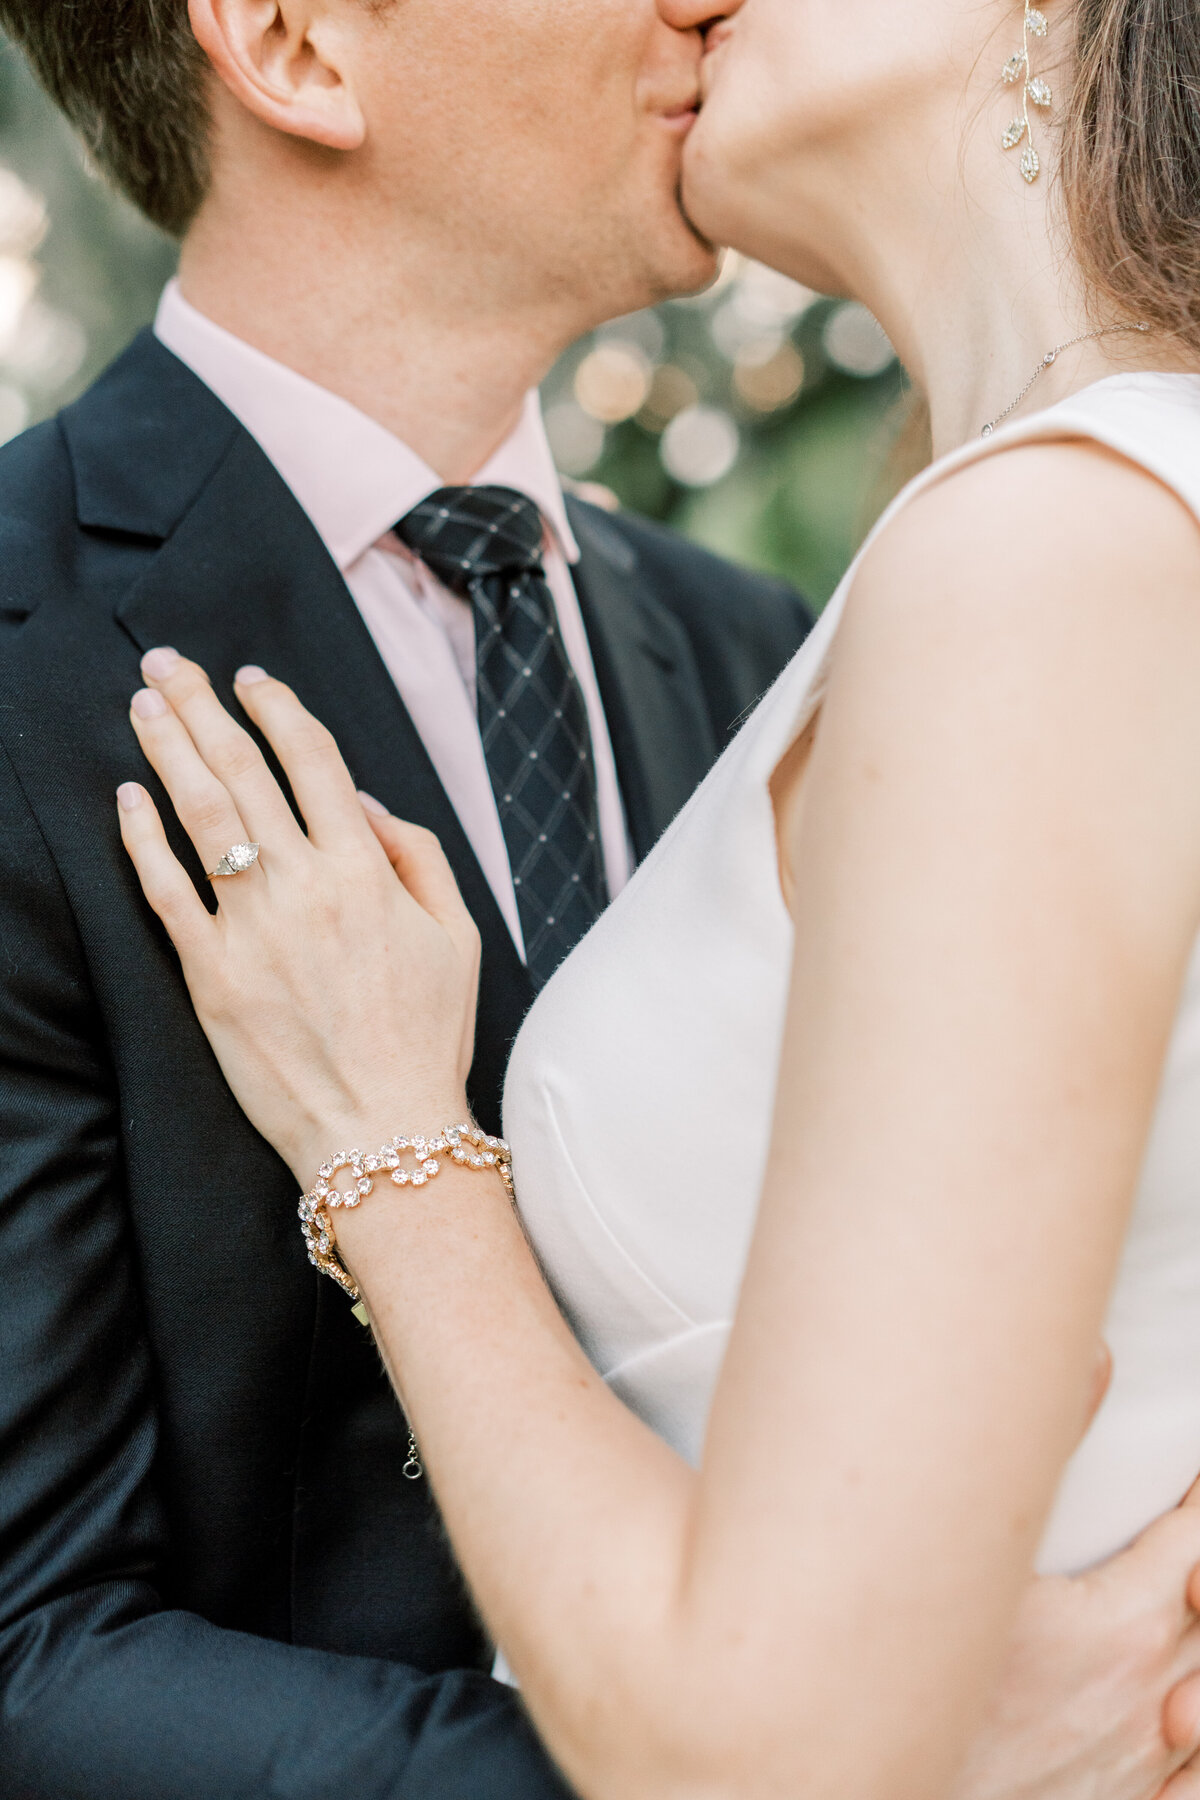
684, 261
706, 242
704, 262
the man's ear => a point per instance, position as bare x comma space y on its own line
288, 62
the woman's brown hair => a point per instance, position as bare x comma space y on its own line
1131, 159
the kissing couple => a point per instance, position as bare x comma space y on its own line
746, 1384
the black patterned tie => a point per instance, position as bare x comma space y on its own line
485, 544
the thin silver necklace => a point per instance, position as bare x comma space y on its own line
1048, 361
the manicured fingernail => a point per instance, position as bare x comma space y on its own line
371, 805
130, 796
158, 664
149, 705
249, 675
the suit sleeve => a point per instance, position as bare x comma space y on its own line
104, 1693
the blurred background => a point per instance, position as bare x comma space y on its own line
760, 418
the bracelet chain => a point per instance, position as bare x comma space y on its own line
464, 1145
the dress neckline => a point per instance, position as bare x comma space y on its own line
1039, 425
1044, 425
1074, 416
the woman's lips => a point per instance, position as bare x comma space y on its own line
678, 111
715, 41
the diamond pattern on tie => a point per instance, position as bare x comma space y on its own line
486, 544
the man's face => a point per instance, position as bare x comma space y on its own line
546, 135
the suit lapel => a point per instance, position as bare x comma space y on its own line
244, 577
662, 737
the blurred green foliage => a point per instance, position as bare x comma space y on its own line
756, 418
101, 264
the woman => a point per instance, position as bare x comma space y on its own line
898, 1031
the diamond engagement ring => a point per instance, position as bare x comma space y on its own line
235, 861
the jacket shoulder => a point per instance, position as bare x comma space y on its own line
693, 581
742, 628
37, 520
35, 476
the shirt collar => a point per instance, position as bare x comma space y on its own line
353, 477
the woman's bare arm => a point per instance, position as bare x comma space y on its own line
995, 869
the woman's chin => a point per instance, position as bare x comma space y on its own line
728, 211
729, 195
732, 199
714, 199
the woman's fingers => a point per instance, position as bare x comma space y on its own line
1102, 1374
309, 757
230, 752
166, 884
205, 807
420, 862
1181, 1715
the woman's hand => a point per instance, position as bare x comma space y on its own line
337, 980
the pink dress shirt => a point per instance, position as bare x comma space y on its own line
355, 480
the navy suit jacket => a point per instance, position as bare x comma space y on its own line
214, 1582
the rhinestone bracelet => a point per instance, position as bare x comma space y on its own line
464, 1145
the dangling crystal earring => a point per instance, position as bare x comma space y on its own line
1034, 91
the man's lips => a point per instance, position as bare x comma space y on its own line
681, 114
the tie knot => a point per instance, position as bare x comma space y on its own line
466, 533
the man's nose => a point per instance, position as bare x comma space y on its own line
697, 15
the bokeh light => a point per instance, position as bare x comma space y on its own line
772, 383
700, 446
41, 348
613, 380
855, 342
576, 437
672, 391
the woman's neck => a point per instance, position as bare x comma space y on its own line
974, 310
974, 286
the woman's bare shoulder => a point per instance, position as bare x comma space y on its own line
1027, 633
1069, 522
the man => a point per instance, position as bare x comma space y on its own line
215, 1581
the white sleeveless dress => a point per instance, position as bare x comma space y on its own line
666, 1024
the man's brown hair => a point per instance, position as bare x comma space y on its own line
130, 77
